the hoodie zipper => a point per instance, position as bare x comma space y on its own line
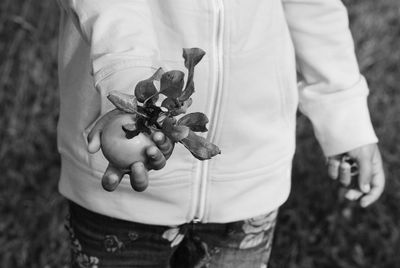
202, 174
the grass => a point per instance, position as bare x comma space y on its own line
316, 229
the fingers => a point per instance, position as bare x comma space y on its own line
377, 182
156, 159
165, 145
353, 194
111, 178
345, 173
374, 194
338, 169
365, 173
139, 177
346, 169
365, 164
333, 168
94, 141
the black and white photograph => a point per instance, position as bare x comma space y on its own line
199, 134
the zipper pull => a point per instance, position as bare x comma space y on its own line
196, 220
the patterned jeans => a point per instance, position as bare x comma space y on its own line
100, 241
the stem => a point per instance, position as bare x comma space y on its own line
149, 98
160, 120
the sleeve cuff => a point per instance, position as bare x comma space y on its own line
343, 124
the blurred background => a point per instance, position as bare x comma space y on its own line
316, 228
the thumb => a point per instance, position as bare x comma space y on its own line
93, 137
363, 158
365, 174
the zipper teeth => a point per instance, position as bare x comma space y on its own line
218, 82
199, 212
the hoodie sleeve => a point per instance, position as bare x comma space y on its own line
333, 93
114, 31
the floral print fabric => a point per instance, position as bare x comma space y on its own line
78, 257
99, 241
256, 230
112, 243
173, 235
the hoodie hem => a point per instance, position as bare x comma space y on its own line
160, 204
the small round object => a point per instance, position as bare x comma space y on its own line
119, 150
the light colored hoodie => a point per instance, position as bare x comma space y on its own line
246, 84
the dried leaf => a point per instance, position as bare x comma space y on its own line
146, 88
195, 121
123, 102
192, 57
171, 84
200, 148
174, 132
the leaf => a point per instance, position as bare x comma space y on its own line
158, 74
183, 107
195, 121
189, 90
174, 132
251, 241
146, 88
200, 148
123, 102
171, 83
151, 100
152, 113
170, 104
141, 125
192, 57
176, 107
